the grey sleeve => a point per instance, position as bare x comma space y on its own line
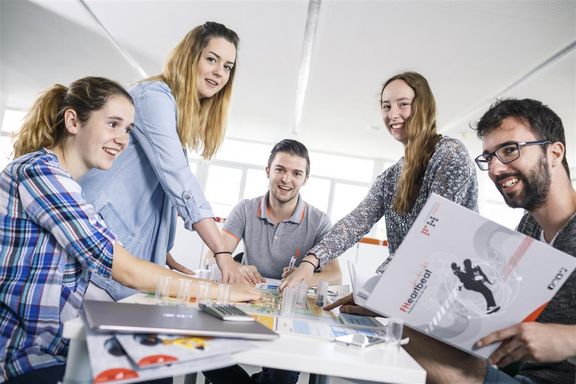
454, 175
323, 228
348, 230
235, 223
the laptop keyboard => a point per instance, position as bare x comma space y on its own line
358, 320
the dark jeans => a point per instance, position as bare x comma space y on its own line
236, 374
52, 375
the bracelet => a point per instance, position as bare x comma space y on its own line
316, 268
309, 262
313, 254
222, 253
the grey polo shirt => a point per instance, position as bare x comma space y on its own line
270, 246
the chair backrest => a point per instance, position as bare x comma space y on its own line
238, 257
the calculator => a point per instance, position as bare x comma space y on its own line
226, 312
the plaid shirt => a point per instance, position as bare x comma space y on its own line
50, 242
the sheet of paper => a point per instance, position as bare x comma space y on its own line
110, 364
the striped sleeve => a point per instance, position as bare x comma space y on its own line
54, 200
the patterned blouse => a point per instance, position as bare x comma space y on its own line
450, 173
50, 242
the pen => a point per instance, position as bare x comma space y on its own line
292, 263
293, 259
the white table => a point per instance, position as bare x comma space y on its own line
379, 363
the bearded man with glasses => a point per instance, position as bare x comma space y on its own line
536, 181
525, 156
506, 154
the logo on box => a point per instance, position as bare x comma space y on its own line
430, 223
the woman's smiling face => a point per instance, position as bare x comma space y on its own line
396, 104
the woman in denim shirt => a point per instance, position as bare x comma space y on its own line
151, 182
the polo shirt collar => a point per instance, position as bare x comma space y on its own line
296, 217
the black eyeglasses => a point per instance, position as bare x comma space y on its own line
505, 154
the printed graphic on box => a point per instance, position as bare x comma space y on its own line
458, 276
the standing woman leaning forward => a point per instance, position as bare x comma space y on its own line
152, 183
51, 240
431, 163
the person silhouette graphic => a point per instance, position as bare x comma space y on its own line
473, 278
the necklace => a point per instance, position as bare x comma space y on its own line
551, 242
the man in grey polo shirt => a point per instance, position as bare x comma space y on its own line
279, 225
276, 227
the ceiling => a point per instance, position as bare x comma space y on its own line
470, 51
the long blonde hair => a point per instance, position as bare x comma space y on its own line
201, 124
44, 125
421, 140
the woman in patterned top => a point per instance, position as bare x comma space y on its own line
51, 240
431, 163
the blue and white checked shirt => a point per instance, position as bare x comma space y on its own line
50, 242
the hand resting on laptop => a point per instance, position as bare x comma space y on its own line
347, 305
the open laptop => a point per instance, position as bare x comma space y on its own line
361, 288
141, 318
360, 291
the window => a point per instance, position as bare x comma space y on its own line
501, 213
247, 152
346, 198
5, 151
317, 192
256, 183
341, 167
223, 188
336, 185
12, 120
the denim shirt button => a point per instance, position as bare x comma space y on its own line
187, 196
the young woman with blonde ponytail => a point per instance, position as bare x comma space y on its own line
51, 240
431, 163
183, 108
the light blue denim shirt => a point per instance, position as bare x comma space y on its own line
148, 184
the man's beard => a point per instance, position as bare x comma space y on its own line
536, 187
281, 199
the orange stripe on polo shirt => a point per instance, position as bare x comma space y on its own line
231, 234
259, 211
